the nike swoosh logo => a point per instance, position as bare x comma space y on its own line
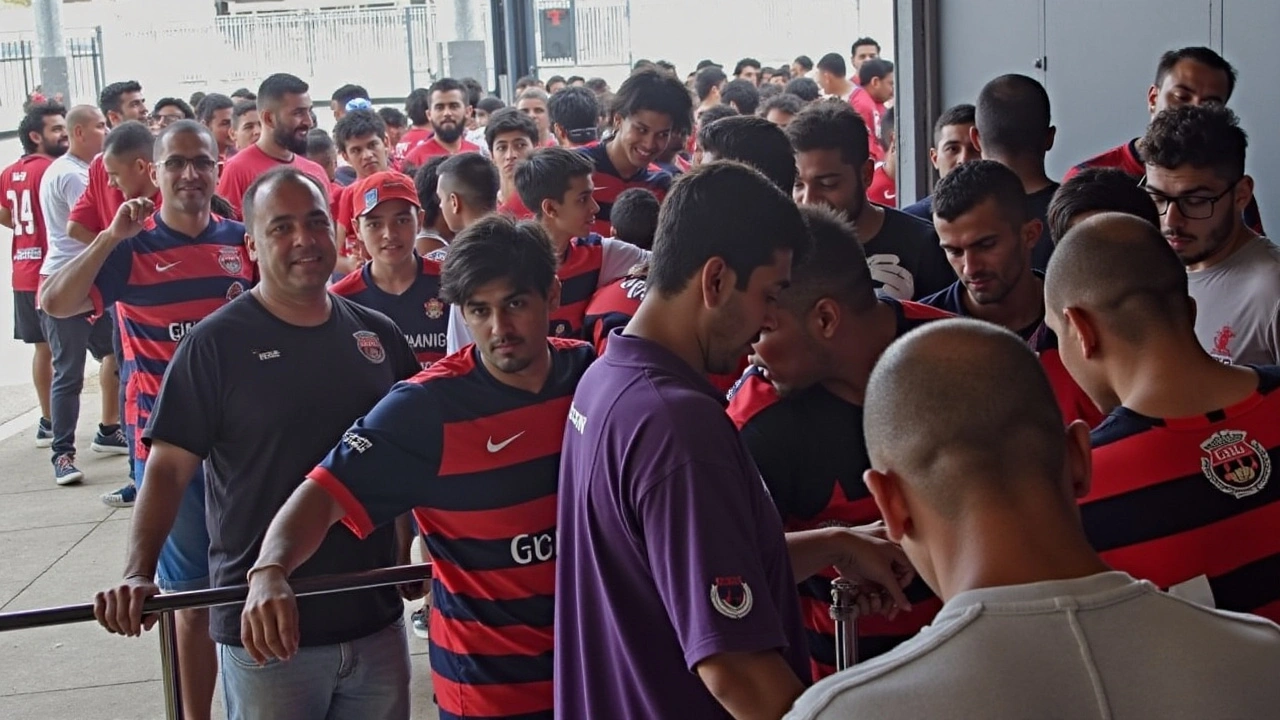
497, 447
166, 268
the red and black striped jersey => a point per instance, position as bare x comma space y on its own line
1188, 500
163, 283
478, 463
810, 450
20, 195
588, 264
419, 312
609, 183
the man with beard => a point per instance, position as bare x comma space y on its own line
285, 110
448, 110
43, 133
1195, 158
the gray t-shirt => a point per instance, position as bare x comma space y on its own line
1238, 305
62, 185
1103, 646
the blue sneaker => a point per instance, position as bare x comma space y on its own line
64, 470
122, 498
110, 441
44, 433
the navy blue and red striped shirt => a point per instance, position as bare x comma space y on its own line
810, 450
162, 283
589, 263
609, 183
1190, 501
478, 462
419, 312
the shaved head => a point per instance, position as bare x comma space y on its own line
1120, 269
961, 412
83, 115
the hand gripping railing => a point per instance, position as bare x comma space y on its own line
197, 599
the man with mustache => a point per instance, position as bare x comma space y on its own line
285, 110
448, 111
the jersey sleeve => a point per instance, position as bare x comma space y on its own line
382, 465
617, 258
112, 281
231, 188
189, 406
85, 210
457, 335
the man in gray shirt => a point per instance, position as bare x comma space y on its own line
977, 479
1195, 174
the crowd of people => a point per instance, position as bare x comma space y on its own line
1034, 421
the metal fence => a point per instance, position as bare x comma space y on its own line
20, 71
602, 33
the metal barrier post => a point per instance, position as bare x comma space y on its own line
169, 666
844, 611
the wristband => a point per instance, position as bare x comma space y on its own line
149, 577
258, 568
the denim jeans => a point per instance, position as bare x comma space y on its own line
364, 679
69, 339
184, 558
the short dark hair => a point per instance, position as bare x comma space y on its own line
555, 79
526, 81
210, 104
853, 49
708, 78
716, 112
783, 102
474, 91
319, 141
183, 107
745, 63
242, 108
666, 66
742, 94
872, 69
961, 114
112, 96
416, 105
1203, 55
493, 104
804, 88
546, 174
278, 174
507, 120
634, 216
755, 141
834, 64
498, 248
1013, 115
1204, 136
1098, 190
179, 127
426, 180
727, 210
767, 91
273, 90
349, 92
831, 125
196, 97
783, 71
477, 178
357, 124
33, 122
130, 139
444, 85
804, 61
835, 266
392, 117
657, 92
705, 63
973, 183
575, 78
245, 93
577, 111
600, 85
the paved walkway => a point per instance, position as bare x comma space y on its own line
59, 546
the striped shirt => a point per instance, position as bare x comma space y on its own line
419, 312
1191, 501
609, 183
477, 461
163, 283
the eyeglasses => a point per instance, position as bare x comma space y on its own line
1191, 207
177, 164
165, 120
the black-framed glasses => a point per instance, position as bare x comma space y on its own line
178, 164
1191, 207
165, 119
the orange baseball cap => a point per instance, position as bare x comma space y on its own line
381, 187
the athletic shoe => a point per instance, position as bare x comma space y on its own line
122, 498
44, 433
419, 618
65, 471
110, 441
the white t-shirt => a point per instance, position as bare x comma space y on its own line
1103, 646
62, 185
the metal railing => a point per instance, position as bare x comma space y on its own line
20, 71
165, 605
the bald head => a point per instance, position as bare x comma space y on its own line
84, 115
1119, 268
961, 411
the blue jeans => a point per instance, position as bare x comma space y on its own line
365, 679
184, 559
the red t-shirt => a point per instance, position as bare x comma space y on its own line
432, 148
241, 170
100, 201
871, 112
883, 190
515, 209
412, 138
20, 193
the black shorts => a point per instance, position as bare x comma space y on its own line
26, 318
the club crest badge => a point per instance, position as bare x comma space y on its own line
434, 308
1236, 465
370, 198
235, 290
370, 345
731, 597
230, 261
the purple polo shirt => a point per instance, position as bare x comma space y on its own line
670, 549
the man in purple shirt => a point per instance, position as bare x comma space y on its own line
676, 587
